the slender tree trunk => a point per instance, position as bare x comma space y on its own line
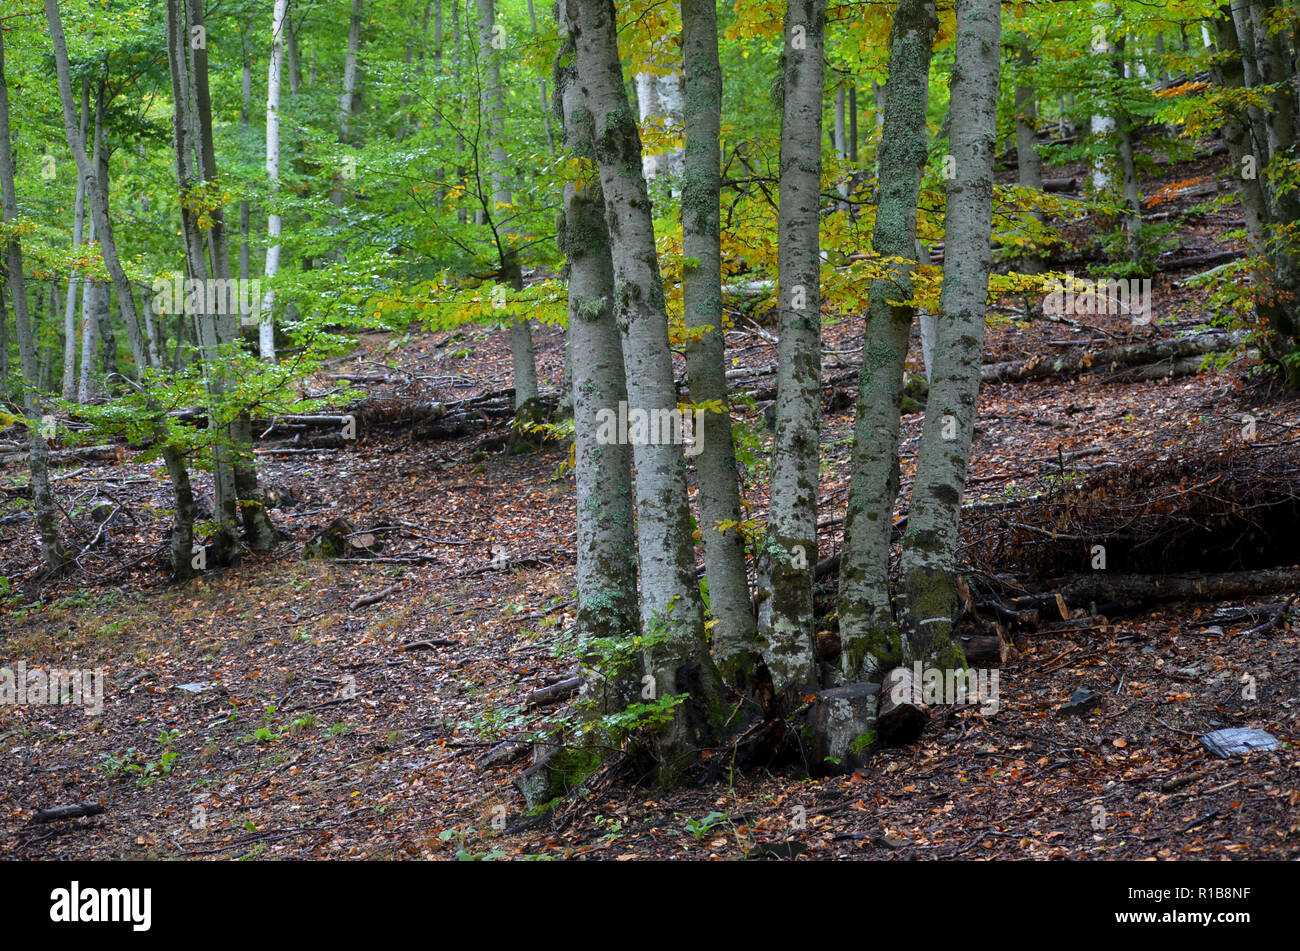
853, 125
1029, 166
868, 636
541, 82
458, 68
1236, 135
929, 559
647, 105
1277, 303
89, 331
181, 540
78, 232
734, 636
266, 332
189, 159
4, 338
347, 99
258, 530
245, 120
100, 292
1280, 122
1245, 30
1100, 125
789, 551
841, 135
676, 653
1127, 164
47, 526
607, 600
98, 203
49, 331
289, 36
522, 353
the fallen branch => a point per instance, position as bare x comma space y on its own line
556, 692
429, 644
67, 812
373, 598
1199, 260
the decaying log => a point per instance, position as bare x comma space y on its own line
67, 812
1104, 593
984, 650
1128, 355
562, 690
82, 453
504, 752
1199, 260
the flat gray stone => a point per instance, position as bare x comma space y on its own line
1235, 741
1081, 702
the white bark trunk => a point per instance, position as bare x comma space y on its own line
676, 654
78, 229
789, 552
929, 558
266, 329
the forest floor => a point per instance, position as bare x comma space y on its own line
256, 713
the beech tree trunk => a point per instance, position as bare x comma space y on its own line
606, 574
78, 233
1029, 166
789, 552
266, 330
188, 156
89, 331
100, 292
94, 190
1264, 209
734, 636
258, 530
4, 339
841, 136
867, 631
541, 82
91, 176
522, 353
245, 120
1127, 165
47, 525
676, 654
929, 559
347, 98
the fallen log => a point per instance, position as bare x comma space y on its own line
1199, 260
505, 752
556, 692
984, 650
67, 812
1110, 594
1039, 367
81, 453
